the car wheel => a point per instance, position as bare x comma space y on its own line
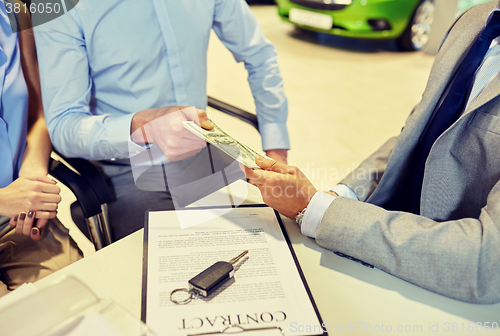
418, 31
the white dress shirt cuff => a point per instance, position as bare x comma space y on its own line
344, 191
315, 212
274, 136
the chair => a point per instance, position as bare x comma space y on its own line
91, 191
243, 115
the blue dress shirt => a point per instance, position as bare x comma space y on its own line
14, 103
489, 68
107, 59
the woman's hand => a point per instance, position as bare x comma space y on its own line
30, 200
26, 224
36, 193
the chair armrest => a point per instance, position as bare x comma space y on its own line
236, 112
99, 230
84, 193
93, 177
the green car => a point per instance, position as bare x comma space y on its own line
407, 21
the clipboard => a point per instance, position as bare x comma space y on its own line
236, 329
233, 328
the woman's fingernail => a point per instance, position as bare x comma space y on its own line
15, 218
30, 214
35, 231
22, 216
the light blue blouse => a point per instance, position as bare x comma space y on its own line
13, 103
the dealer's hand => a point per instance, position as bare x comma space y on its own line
164, 126
284, 188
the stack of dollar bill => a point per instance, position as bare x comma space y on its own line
226, 143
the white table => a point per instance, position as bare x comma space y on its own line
349, 296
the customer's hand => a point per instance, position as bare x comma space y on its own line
30, 200
284, 188
37, 193
164, 126
27, 224
278, 155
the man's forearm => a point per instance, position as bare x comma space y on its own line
430, 254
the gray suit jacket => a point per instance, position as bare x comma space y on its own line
453, 248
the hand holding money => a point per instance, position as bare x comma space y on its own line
220, 139
164, 127
283, 188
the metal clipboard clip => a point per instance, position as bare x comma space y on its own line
279, 331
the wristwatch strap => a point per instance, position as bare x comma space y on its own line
300, 217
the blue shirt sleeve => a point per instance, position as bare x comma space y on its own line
237, 27
344, 191
66, 89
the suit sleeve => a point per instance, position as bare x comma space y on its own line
459, 259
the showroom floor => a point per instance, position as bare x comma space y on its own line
346, 97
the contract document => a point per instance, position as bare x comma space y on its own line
268, 289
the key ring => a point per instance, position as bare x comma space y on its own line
185, 301
205, 283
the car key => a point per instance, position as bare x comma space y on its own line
210, 279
